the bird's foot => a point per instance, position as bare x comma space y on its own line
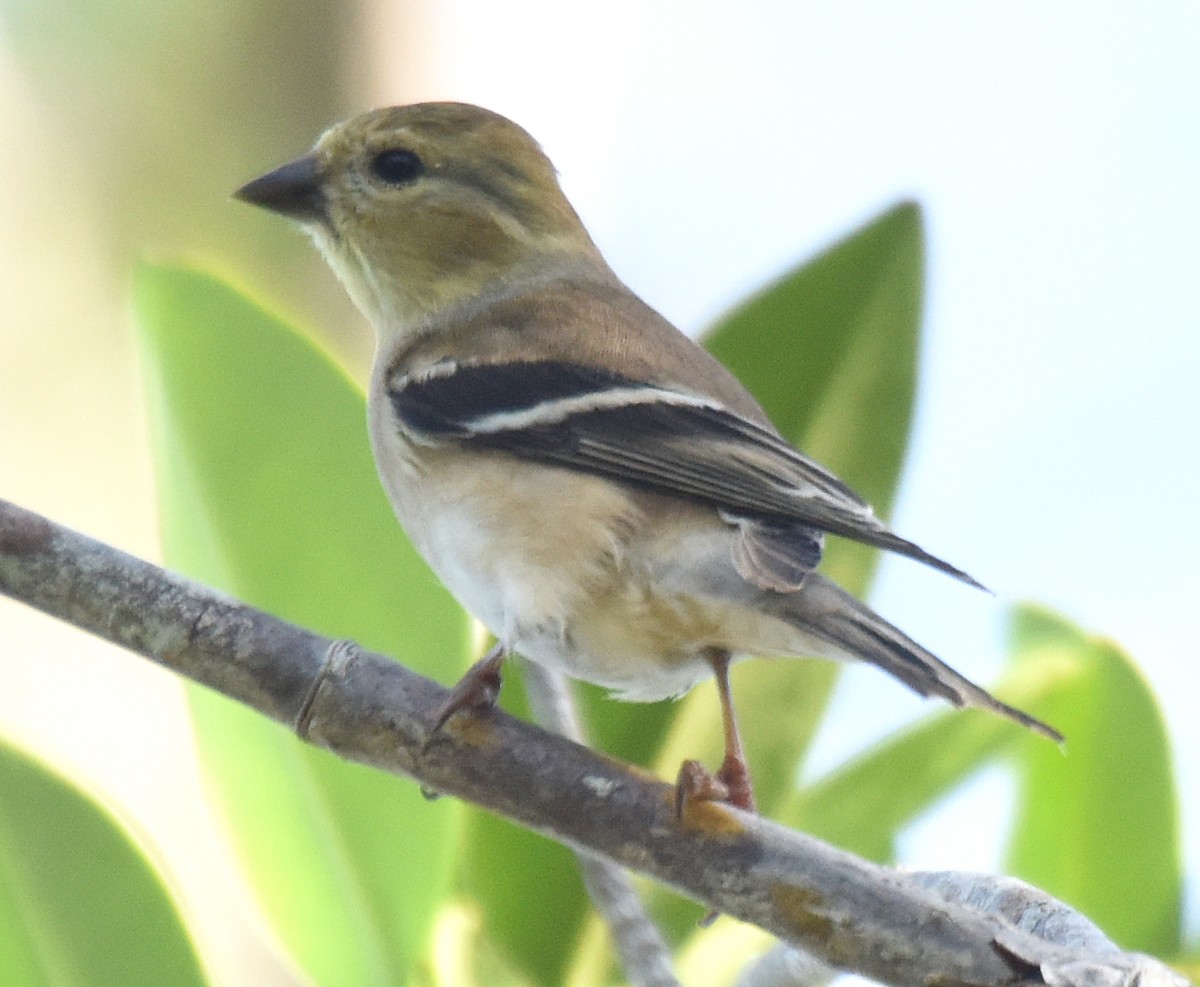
735, 776
696, 784
731, 785
477, 691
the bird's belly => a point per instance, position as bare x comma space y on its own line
572, 572
525, 550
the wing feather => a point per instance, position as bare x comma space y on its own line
657, 438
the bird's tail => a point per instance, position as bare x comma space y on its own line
830, 614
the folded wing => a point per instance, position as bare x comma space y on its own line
656, 438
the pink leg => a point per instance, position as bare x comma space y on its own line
732, 782
734, 772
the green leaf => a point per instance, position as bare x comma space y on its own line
1099, 827
81, 904
268, 491
461, 956
830, 351
530, 891
863, 805
1188, 965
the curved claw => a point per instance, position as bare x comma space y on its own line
477, 691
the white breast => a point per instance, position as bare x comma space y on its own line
521, 546
572, 571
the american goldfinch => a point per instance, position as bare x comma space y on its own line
585, 479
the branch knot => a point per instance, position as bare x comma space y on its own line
338, 657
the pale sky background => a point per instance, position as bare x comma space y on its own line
1055, 150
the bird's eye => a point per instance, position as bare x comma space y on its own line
397, 166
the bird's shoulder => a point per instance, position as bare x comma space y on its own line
593, 323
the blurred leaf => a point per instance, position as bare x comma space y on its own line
863, 805
722, 954
1099, 827
531, 892
80, 902
178, 104
268, 491
830, 351
462, 956
1189, 965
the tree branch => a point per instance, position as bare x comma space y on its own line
852, 914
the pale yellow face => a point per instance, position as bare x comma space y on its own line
417, 207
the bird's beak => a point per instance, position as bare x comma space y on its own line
295, 190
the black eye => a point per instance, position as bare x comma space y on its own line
397, 166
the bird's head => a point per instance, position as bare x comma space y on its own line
419, 207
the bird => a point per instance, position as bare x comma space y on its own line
588, 481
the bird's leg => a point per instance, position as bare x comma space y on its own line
731, 783
477, 690
734, 772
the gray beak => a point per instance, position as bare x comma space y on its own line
295, 190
